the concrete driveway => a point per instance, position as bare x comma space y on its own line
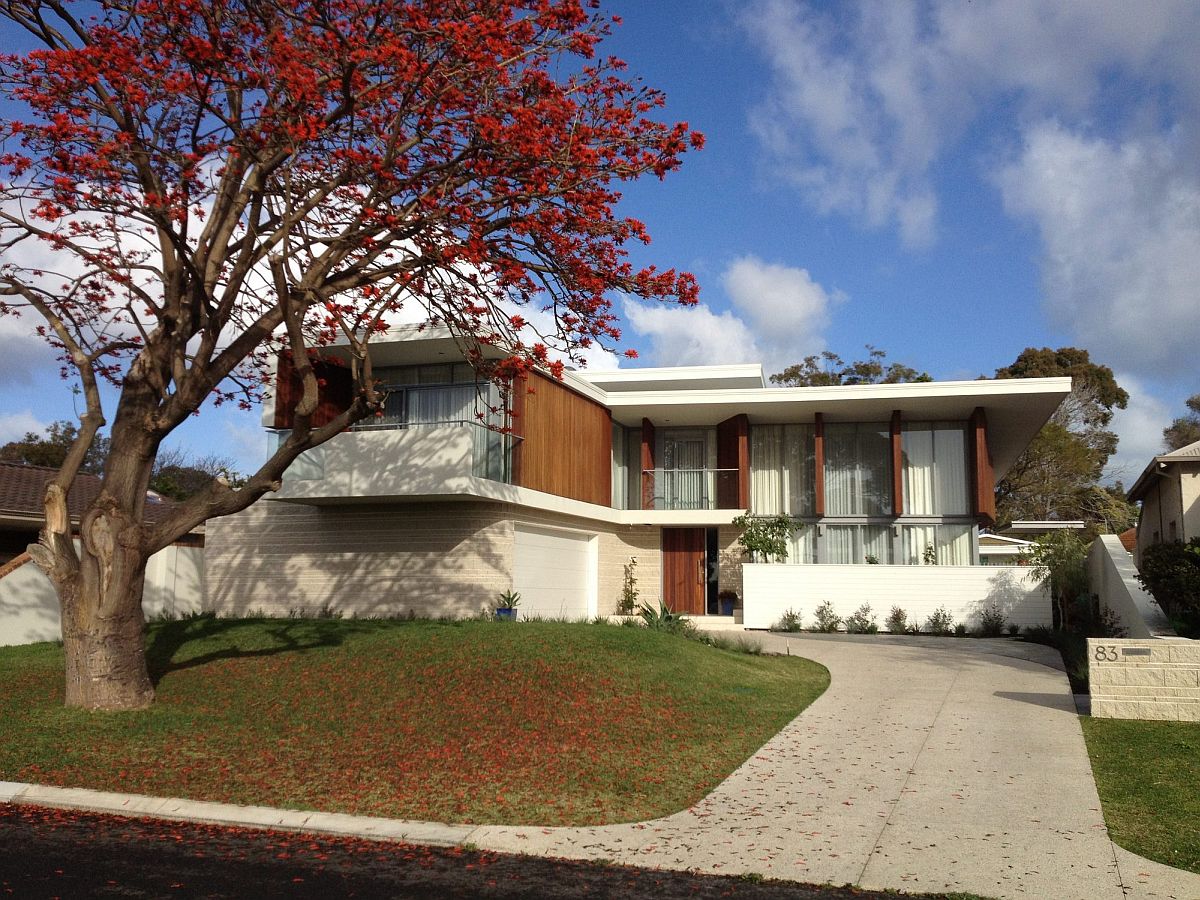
929, 765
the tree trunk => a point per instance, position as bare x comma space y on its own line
105, 646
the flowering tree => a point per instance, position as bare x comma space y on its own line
215, 180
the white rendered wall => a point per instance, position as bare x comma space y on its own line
965, 591
29, 606
1111, 577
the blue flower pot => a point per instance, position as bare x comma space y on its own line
506, 614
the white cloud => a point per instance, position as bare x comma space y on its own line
14, 426
1139, 428
692, 335
778, 315
865, 101
1120, 224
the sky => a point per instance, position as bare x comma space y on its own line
951, 182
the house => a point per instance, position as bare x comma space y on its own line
29, 608
425, 510
1169, 492
1001, 549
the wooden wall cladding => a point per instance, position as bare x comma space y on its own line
567, 441
333, 396
733, 452
983, 476
897, 439
819, 473
647, 464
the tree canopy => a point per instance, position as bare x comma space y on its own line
51, 449
1058, 475
207, 182
829, 369
1186, 428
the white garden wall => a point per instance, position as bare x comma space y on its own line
29, 607
965, 591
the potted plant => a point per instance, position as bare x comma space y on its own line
506, 605
728, 602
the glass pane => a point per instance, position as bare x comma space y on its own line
857, 470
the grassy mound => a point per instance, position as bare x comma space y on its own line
531, 723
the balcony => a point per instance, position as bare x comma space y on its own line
394, 460
682, 489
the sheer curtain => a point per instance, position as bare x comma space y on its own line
950, 457
857, 469
620, 468
951, 544
766, 470
852, 544
935, 469
917, 453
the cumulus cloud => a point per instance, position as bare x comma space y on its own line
777, 316
1120, 224
14, 426
866, 99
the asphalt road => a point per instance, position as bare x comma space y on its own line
56, 853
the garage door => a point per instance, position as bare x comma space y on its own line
553, 573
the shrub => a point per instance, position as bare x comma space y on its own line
940, 623
897, 621
960, 630
1014, 629
629, 591
827, 620
508, 600
766, 537
929, 555
663, 619
1059, 561
992, 621
790, 621
1171, 572
862, 621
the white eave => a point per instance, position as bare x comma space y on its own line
678, 378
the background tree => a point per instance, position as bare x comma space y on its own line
179, 476
1058, 474
1186, 429
214, 180
51, 449
827, 368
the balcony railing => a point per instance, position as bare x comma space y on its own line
693, 488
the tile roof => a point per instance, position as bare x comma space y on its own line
1129, 539
1188, 451
22, 487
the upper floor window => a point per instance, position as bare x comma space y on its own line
858, 469
782, 470
435, 393
935, 469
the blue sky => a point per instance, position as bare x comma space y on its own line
950, 182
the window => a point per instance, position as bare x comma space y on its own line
782, 467
687, 460
853, 544
951, 544
935, 469
857, 470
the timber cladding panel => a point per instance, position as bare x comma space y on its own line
334, 392
566, 446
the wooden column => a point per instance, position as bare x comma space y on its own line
647, 464
983, 477
819, 474
733, 452
897, 466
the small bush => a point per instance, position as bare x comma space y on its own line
992, 621
663, 619
790, 621
897, 621
862, 621
940, 623
827, 620
1014, 629
960, 630
1171, 572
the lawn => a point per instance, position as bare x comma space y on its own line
1148, 774
528, 723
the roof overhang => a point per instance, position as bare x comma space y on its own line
1016, 408
686, 378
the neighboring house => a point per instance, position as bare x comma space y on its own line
28, 604
1001, 550
425, 510
1031, 530
1169, 491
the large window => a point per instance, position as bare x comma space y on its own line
857, 470
434, 394
935, 469
686, 473
782, 466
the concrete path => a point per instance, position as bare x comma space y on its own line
928, 765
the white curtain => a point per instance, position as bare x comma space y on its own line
954, 545
442, 404
802, 548
854, 543
916, 539
950, 457
918, 449
935, 469
766, 470
620, 468
857, 467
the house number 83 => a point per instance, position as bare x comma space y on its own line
1105, 653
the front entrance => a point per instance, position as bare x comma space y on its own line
690, 570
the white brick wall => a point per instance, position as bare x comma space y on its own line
1155, 678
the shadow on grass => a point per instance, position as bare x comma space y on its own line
215, 639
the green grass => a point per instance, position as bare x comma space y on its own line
1148, 774
533, 723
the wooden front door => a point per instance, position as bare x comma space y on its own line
684, 574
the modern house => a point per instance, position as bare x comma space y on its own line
427, 510
1169, 491
1002, 550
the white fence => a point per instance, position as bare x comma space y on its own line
769, 590
29, 607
